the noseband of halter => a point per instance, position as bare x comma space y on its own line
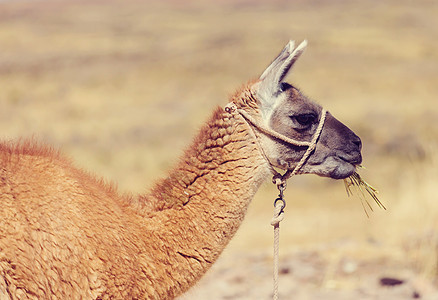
279, 179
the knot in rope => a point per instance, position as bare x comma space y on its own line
279, 180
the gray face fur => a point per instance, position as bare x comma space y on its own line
284, 109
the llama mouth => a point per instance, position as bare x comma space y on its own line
354, 160
343, 172
342, 167
334, 167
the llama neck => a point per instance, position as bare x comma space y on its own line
204, 199
224, 166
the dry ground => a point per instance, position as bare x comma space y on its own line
123, 86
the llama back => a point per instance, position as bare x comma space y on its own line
58, 225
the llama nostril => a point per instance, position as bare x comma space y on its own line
357, 142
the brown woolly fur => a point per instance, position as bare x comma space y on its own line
244, 97
65, 234
27, 147
10, 150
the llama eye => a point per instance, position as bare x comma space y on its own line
305, 120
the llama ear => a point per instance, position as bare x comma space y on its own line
270, 80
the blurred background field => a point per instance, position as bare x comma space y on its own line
123, 86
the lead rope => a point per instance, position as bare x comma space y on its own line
279, 205
278, 179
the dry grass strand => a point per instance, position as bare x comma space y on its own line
364, 188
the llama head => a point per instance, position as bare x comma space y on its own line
284, 109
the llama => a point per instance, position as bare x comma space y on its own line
65, 234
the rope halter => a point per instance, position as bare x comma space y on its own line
279, 179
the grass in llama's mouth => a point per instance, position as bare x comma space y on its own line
364, 188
